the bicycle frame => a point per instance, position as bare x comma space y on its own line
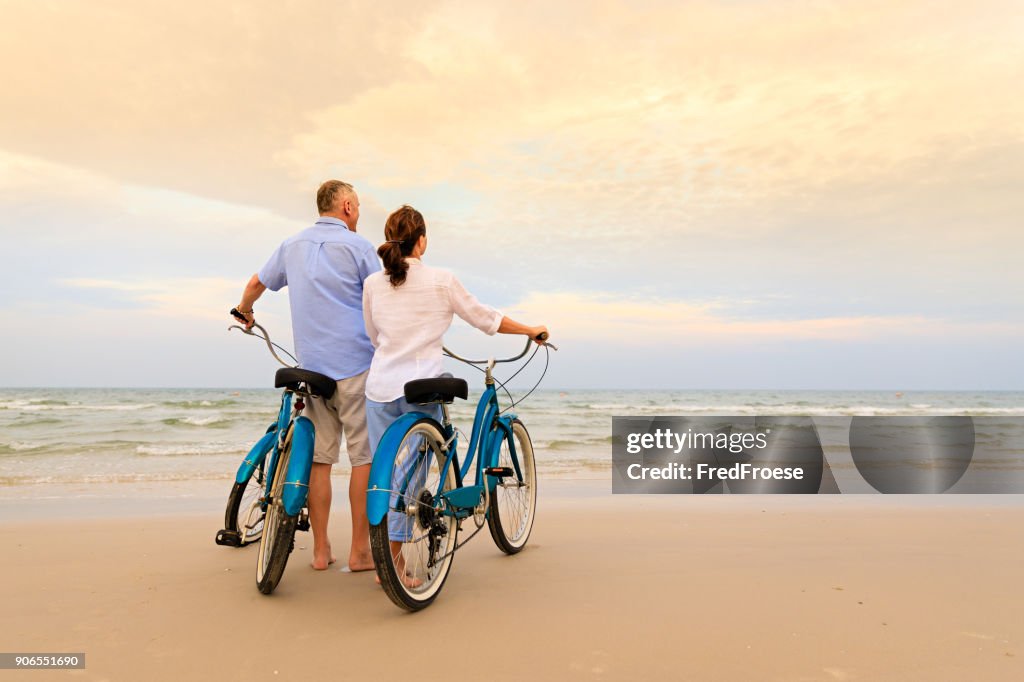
300, 430
489, 429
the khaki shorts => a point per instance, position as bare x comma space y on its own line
349, 413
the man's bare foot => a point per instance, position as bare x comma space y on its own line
360, 562
321, 560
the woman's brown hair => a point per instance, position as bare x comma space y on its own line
402, 230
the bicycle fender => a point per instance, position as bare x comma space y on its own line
296, 482
256, 455
506, 425
502, 430
379, 490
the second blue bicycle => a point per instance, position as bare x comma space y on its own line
420, 496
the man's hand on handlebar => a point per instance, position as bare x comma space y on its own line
246, 318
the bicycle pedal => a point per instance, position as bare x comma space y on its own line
228, 538
499, 472
303, 523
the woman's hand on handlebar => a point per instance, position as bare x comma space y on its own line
539, 334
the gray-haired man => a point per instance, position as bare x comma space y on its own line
324, 267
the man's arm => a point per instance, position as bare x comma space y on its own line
371, 329
369, 263
253, 290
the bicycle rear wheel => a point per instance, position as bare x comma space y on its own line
413, 545
278, 537
514, 502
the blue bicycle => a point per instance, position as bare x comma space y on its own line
420, 495
268, 498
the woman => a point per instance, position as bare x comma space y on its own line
407, 309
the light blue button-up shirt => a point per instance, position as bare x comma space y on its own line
324, 267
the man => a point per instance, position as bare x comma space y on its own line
324, 267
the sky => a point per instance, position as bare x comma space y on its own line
733, 194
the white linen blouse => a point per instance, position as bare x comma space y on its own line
406, 325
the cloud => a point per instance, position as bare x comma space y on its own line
184, 297
743, 150
196, 99
647, 323
703, 170
712, 103
679, 109
69, 223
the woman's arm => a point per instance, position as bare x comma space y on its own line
510, 326
483, 317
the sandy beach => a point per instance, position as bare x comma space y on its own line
610, 587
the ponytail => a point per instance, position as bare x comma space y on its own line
394, 262
402, 230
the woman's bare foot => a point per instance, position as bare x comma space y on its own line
411, 582
408, 580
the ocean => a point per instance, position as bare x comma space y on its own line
58, 442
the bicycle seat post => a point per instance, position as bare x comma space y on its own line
488, 377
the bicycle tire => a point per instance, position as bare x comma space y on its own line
278, 537
411, 577
513, 506
243, 515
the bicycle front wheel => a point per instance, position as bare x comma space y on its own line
414, 544
244, 515
511, 511
278, 537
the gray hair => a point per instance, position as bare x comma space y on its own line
329, 193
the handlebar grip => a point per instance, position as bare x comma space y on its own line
237, 315
543, 336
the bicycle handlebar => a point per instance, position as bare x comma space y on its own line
265, 337
542, 338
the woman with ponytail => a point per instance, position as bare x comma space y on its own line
407, 309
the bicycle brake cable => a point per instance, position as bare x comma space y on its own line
513, 402
523, 366
497, 381
547, 361
294, 359
264, 338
